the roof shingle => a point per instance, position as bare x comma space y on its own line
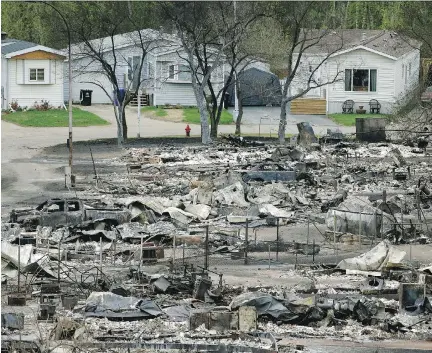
12, 45
383, 41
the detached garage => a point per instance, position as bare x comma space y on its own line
258, 88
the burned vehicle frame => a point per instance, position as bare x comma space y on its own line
56, 213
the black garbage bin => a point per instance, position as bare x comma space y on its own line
86, 96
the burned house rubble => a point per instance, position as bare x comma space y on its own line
238, 246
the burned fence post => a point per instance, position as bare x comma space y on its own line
269, 256
375, 228
174, 250
359, 230
246, 241
100, 255
206, 255
19, 263
277, 239
307, 237
313, 252
334, 231
58, 262
115, 248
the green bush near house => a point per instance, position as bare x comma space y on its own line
53, 118
349, 119
191, 115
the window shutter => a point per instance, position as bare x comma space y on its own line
348, 80
373, 80
165, 68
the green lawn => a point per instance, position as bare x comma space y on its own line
191, 115
156, 110
54, 118
349, 119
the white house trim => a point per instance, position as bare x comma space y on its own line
32, 49
365, 48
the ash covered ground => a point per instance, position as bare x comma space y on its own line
238, 246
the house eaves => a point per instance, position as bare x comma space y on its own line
32, 49
364, 48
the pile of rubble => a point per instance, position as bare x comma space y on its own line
109, 254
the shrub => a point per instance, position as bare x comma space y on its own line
44, 105
14, 105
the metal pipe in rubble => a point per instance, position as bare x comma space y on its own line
206, 249
246, 241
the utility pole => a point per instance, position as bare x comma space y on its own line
70, 86
236, 103
139, 113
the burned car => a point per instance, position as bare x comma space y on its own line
56, 213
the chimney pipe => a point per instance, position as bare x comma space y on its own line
363, 36
3, 35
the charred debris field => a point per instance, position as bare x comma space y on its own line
237, 246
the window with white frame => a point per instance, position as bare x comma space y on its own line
184, 73
172, 72
37, 75
361, 80
179, 73
133, 66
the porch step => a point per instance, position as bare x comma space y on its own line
145, 100
312, 106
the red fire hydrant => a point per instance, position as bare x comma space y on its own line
188, 129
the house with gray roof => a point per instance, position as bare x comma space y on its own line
364, 65
30, 73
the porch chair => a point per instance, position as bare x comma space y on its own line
348, 106
375, 106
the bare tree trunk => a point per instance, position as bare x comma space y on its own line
240, 111
119, 125
199, 95
213, 130
124, 124
282, 121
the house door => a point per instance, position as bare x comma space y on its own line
315, 92
133, 70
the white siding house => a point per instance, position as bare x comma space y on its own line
368, 65
31, 73
164, 76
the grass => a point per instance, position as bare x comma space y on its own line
53, 118
349, 119
156, 110
191, 115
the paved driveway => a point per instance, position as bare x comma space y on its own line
253, 116
268, 118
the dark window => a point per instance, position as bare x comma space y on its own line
363, 80
171, 72
37, 74
73, 206
56, 206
